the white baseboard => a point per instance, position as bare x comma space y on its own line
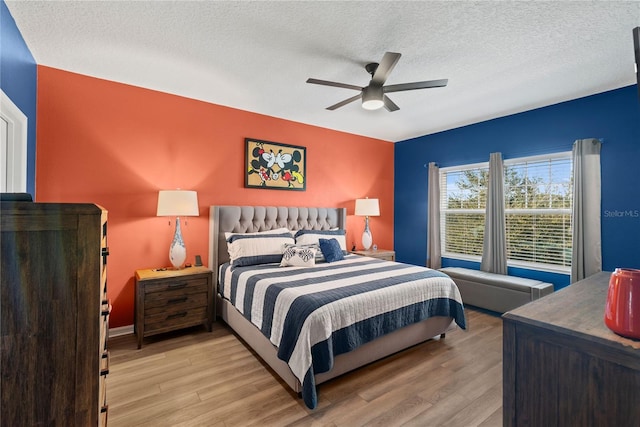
122, 330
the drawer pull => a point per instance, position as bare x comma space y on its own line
106, 308
104, 370
177, 285
177, 300
104, 409
176, 315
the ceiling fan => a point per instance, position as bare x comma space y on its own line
374, 94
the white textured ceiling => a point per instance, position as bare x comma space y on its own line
500, 57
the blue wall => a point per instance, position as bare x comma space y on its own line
18, 79
613, 117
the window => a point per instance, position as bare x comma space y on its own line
538, 193
463, 198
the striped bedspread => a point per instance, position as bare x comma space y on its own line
312, 314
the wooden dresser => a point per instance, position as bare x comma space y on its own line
54, 314
563, 367
167, 300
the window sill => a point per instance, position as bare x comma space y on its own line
515, 264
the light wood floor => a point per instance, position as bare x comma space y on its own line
197, 378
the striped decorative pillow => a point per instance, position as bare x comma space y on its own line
257, 248
229, 234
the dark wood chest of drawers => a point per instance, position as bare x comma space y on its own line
167, 300
564, 367
54, 314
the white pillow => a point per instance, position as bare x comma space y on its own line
297, 256
257, 248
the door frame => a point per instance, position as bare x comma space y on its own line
16, 166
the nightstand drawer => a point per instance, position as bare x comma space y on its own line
173, 296
384, 254
174, 319
178, 284
174, 302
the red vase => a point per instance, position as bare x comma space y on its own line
622, 311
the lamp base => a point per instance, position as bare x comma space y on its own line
367, 239
177, 250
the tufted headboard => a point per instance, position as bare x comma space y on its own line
247, 219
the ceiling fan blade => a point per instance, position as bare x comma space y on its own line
389, 60
415, 85
389, 104
334, 84
345, 102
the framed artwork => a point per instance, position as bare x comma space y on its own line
274, 165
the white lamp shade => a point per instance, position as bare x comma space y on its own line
177, 203
367, 207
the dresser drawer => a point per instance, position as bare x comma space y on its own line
104, 371
104, 412
104, 328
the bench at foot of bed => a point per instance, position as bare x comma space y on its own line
496, 292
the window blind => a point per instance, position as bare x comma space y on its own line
538, 195
463, 198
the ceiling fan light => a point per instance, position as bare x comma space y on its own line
372, 104
372, 98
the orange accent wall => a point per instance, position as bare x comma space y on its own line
116, 145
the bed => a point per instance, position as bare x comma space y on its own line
248, 296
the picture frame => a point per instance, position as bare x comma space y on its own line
276, 166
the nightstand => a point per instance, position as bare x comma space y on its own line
167, 300
380, 253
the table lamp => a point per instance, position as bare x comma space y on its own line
177, 203
366, 208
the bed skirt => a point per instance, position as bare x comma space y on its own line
384, 346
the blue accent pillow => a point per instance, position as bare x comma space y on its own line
331, 250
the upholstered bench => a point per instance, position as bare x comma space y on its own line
496, 292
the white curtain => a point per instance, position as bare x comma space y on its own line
587, 242
434, 258
494, 246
